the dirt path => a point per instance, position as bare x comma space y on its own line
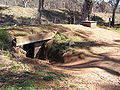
100, 70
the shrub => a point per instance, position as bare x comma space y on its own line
4, 39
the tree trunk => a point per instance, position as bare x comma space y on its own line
87, 10
26, 4
74, 22
43, 4
40, 7
113, 14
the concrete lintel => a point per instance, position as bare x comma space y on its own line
41, 36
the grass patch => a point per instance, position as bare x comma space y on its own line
1, 65
15, 67
8, 28
117, 29
49, 75
21, 85
60, 38
48, 78
4, 37
61, 42
21, 81
64, 43
57, 84
29, 80
73, 86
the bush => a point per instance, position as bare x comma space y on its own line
4, 39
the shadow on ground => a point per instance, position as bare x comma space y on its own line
101, 61
38, 78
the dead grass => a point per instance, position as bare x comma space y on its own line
20, 12
106, 16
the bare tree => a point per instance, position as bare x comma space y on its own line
114, 10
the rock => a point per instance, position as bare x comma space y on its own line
71, 42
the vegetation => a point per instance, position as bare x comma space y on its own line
73, 85
20, 76
117, 29
114, 10
4, 38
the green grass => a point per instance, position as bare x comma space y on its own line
61, 42
30, 81
60, 38
48, 78
21, 85
117, 29
15, 67
8, 28
4, 37
1, 65
73, 85
57, 84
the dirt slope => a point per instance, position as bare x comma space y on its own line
100, 70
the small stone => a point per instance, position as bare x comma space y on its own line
71, 42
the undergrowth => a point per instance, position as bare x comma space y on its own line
4, 39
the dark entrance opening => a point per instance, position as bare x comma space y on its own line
29, 48
42, 52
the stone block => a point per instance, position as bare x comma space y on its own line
92, 24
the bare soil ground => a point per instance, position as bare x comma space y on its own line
100, 67
100, 70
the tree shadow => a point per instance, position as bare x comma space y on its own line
62, 16
10, 20
99, 20
27, 80
38, 75
23, 79
97, 62
7, 20
60, 52
110, 86
3, 8
73, 17
52, 27
88, 44
54, 16
26, 21
117, 40
97, 58
29, 61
